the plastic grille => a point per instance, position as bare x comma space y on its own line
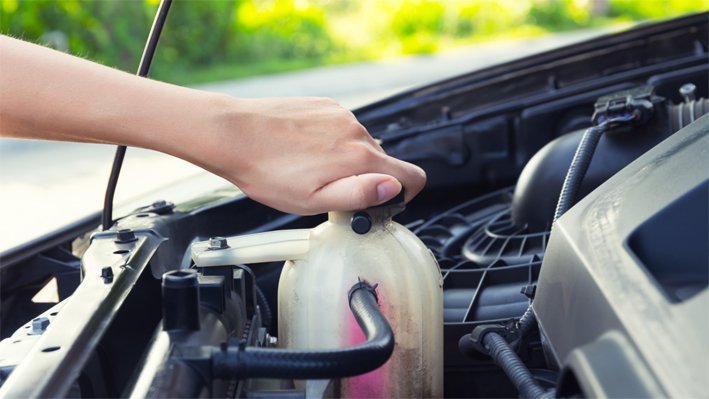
485, 261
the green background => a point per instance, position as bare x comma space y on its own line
214, 40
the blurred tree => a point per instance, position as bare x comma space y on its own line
222, 39
418, 24
92, 27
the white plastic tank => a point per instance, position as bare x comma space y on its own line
322, 264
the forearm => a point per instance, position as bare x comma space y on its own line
300, 155
48, 95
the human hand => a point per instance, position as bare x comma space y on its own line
304, 156
298, 155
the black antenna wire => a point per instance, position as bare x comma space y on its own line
145, 62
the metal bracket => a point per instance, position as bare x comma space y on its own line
51, 366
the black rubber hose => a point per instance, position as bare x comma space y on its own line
577, 170
253, 362
508, 360
143, 69
266, 314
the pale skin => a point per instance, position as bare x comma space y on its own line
300, 155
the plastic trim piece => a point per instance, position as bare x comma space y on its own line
591, 283
263, 247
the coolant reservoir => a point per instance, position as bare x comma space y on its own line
321, 266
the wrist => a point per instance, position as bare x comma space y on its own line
212, 137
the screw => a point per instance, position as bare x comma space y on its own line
218, 243
272, 341
158, 204
107, 274
125, 235
39, 325
688, 91
361, 223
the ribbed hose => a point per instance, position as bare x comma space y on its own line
266, 314
527, 323
508, 360
251, 362
685, 113
577, 170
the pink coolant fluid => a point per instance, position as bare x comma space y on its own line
314, 313
370, 385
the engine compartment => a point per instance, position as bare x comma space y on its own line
496, 146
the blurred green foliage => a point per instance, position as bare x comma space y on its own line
213, 40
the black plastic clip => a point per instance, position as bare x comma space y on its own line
362, 285
529, 291
476, 337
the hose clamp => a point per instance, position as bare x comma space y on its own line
362, 285
476, 337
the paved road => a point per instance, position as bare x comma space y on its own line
354, 85
44, 185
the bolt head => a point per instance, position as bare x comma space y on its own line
40, 324
687, 88
218, 243
688, 91
125, 235
107, 274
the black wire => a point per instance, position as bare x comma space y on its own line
527, 323
577, 170
145, 62
581, 162
266, 315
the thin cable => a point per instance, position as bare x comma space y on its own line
577, 170
145, 62
581, 162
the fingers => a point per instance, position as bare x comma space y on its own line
411, 177
365, 186
370, 189
356, 192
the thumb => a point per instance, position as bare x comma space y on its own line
356, 192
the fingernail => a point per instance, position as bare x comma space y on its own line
387, 190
